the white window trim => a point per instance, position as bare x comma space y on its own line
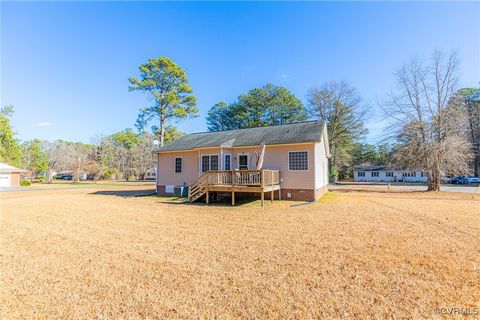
175, 164
248, 160
210, 161
308, 160
223, 161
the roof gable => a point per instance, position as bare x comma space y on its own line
8, 168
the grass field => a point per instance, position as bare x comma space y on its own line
355, 254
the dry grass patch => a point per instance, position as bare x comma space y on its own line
75, 254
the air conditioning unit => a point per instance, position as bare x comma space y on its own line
180, 191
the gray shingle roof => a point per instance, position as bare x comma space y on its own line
282, 134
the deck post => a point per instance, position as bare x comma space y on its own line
206, 199
271, 196
279, 194
233, 198
263, 197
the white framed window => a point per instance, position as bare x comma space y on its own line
214, 162
227, 162
298, 160
361, 174
375, 174
178, 164
389, 174
205, 163
209, 162
243, 162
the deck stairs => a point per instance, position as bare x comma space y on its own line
198, 188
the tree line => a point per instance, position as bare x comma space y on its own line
122, 155
432, 125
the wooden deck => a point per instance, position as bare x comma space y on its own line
251, 181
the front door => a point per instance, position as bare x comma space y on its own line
243, 162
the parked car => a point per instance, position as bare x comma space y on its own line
67, 177
473, 179
459, 180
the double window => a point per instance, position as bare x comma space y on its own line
209, 162
375, 174
361, 174
298, 160
389, 174
178, 165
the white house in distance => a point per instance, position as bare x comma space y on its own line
151, 174
9, 176
386, 174
287, 161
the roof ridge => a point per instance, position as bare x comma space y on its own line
275, 125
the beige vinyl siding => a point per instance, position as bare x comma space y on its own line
276, 158
166, 168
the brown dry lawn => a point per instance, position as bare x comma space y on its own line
69, 254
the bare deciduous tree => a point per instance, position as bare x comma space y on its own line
340, 105
426, 121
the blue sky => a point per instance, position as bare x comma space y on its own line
64, 66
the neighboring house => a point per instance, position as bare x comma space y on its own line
10, 176
386, 174
150, 174
295, 162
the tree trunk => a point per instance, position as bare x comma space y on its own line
162, 130
435, 186
476, 159
429, 181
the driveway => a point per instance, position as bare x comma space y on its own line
466, 188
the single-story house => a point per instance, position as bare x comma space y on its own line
9, 176
289, 160
386, 174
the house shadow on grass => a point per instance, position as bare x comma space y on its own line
149, 193
125, 193
241, 200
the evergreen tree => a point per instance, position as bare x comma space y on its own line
167, 83
9, 148
268, 105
